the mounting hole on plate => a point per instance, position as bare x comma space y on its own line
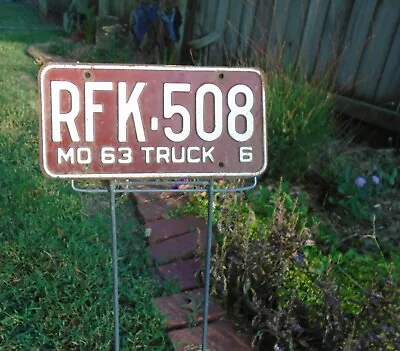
87, 74
221, 165
221, 76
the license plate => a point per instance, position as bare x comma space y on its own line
127, 121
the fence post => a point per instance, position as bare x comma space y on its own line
104, 7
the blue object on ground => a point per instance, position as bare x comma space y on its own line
142, 15
172, 21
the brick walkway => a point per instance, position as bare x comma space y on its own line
174, 246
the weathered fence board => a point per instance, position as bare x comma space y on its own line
209, 22
104, 7
332, 36
357, 36
278, 25
232, 26
258, 39
200, 11
222, 12
247, 19
316, 17
389, 84
376, 51
294, 27
119, 8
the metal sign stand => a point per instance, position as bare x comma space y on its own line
131, 187
114, 265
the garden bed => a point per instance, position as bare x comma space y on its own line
310, 259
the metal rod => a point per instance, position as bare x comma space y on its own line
165, 182
114, 264
208, 263
162, 190
113, 190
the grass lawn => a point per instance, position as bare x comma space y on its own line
55, 258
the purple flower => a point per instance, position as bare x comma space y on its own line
375, 180
360, 182
299, 258
175, 187
184, 180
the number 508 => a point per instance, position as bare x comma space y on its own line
234, 111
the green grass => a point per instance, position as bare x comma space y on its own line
55, 258
300, 124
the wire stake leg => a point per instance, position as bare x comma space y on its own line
114, 265
208, 263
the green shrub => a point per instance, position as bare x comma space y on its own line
264, 200
300, 119
361, 180
269, 272
300, 123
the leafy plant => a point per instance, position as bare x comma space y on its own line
356, 193
270, 273
168, 56
300, 118
81, 15
299, 126
361, 182
194, 307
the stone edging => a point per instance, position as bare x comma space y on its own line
40, 54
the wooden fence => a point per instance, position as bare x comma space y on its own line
123, 8
119, 8
357, 41
50, 6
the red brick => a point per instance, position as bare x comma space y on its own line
178, 248
178, 314
154, 196
222, 336
183, 272
151, 211
164, 229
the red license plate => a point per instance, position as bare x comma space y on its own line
128, 121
